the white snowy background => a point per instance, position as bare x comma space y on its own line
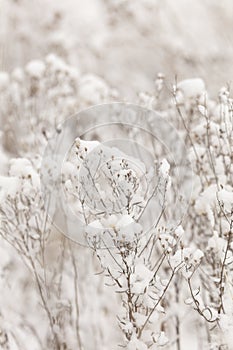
57, 58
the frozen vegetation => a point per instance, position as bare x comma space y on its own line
116, 180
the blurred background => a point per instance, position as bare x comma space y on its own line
125, 42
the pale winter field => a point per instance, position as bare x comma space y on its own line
116, 175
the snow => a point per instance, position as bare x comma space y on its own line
93, 89
139, 319
217, 243
125, 220
192, 87
206, 200
3, 158
136, 344
164, 168
99, 170
18, 75
197, 256
162, 340
35, 69
179, 232
226, 198
9, 186
86, 146
203, 110
123, 227
69, 59
5, 257
93, 226
140, 278
4, 80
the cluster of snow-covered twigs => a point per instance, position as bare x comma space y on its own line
139, 290
138, 251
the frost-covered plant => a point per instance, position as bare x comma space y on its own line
103, 186
208, 126
26, 226
36, 99
156, 274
